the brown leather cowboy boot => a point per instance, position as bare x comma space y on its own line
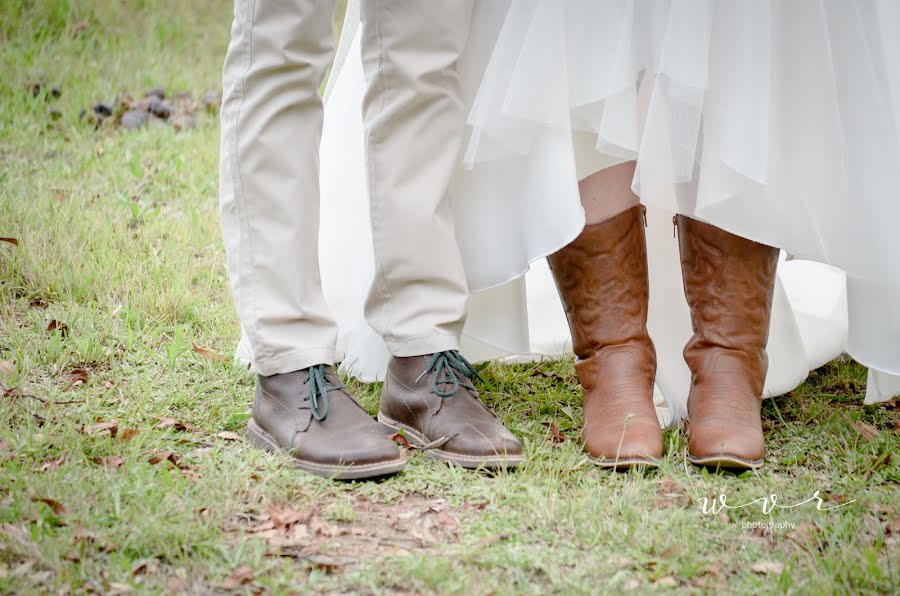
602, 281
431, 399
729, 282
309, 414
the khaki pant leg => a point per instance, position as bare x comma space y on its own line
269, 179
415, 118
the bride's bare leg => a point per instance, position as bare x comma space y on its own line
602, 281
607, 193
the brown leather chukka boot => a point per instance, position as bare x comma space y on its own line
432, 401
309, 414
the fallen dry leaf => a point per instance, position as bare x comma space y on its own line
82, 536
323, 564
7, 367
208, 354
667, 581
57, 507
126, 434
13, 392
230, 436
140, 568
77, 376
97, 428
55, 325
555, 435
400, 440
869, 432
766, 567
53, 464
176, 585
109, 461
169, 422
285, 517
13, 241
240, 577
166, 456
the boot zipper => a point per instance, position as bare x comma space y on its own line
644, 213
675, 226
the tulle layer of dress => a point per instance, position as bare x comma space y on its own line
777, 121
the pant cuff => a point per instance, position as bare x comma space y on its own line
418, 346
293, 360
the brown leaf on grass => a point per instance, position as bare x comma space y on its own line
400, 440
57, 507
55, 325
208, 354
285, 517
868, 432
241, 576
169, 422
13, 392
176, 585
555, 435
53, 464
766, 567
163, 456
230, 436
7, 367
324, 564
82, 536
98, 428
77, 376
126, 434
13, 241
38, 304
142, 566
109, 461
666, 581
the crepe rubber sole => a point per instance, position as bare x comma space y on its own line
266, 442
498, 461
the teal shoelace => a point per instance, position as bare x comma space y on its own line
451, 369
319, 386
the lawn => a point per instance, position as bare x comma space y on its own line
123, 466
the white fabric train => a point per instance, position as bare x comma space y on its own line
734, 113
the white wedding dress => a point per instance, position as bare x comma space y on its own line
734, 116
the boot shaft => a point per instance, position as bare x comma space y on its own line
729, 283
603, 284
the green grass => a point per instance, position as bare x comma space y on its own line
119, 239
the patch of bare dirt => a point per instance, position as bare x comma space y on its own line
415, 523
